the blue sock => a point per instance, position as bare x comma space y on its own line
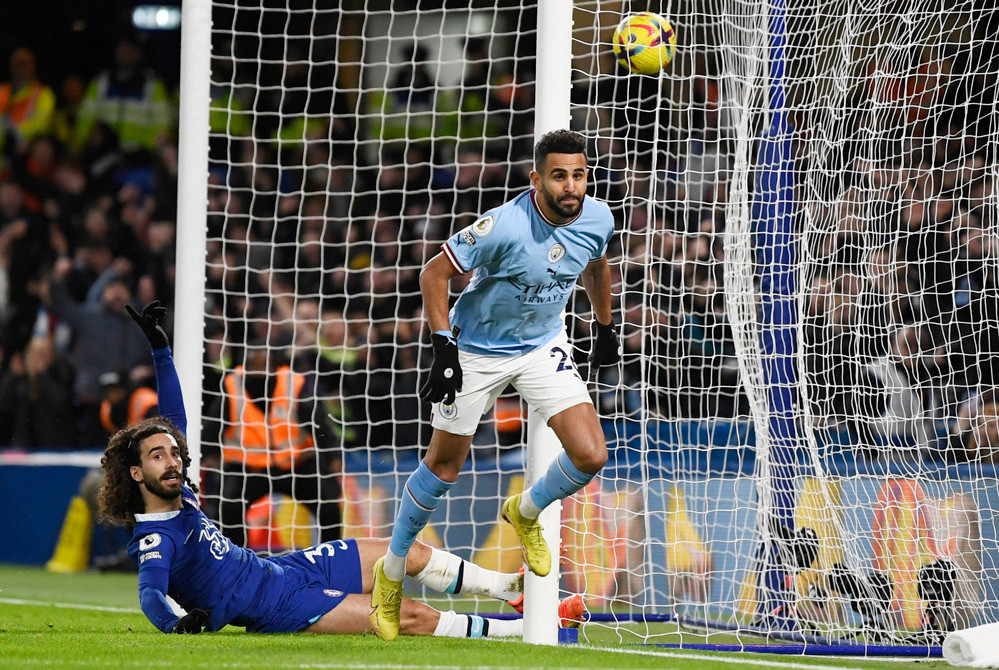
423, 493
561, 481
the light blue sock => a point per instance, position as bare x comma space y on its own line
561, 481
423, 493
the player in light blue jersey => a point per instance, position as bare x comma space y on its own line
181, 554
507, 327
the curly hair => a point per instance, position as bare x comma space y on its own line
558, 142
120, 499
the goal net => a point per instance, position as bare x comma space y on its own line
803, 425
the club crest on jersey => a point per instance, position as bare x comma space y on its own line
333, 593
483, 226
449, 411
556, 253
149, 541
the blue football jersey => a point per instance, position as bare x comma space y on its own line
524, 270
183, 554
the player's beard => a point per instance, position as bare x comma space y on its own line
155, 487
565, 211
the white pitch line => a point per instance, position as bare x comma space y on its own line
71, 606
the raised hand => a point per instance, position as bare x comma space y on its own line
151, 323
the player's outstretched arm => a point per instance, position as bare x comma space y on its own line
169, 397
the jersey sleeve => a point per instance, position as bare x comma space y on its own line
169, 397
608, 218
154, 555
475, 245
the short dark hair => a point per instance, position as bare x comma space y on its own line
558, 142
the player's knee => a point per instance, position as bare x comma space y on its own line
592, 458
446, 469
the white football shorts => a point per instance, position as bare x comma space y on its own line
546, 379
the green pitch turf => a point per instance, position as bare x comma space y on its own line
93, 621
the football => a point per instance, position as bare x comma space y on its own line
644, 42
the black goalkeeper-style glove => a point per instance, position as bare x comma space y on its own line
151, 323
191, 623
606, 348
445, 371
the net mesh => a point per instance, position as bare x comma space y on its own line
347, 144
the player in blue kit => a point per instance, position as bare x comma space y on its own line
507, 327
181, 554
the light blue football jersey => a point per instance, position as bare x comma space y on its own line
524, 270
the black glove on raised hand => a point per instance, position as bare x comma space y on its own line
151, 323
606, 348
445, 371
191, 623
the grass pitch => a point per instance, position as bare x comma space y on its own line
93, 620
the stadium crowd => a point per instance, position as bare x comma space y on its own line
318, 224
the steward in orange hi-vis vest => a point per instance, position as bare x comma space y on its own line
259, 441
141, 403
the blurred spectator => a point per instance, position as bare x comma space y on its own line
26, 105
229, 119
35, 170
973, 292
479, 185
892, 298
982, 437
36, 398
128, 398
894, 408
67, 113
25, 254
342, 378
275, 438
829, 345
393, 408
132, 101
708, 375
493, 110
104, 340
405, 111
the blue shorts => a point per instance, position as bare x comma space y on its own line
316, 580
